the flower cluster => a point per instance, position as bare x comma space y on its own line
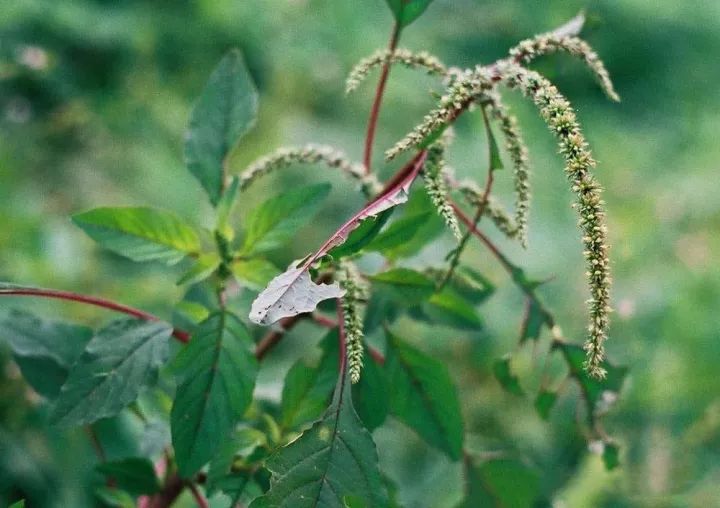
463, 91
356, 295
560, 117
494, 210
436, 186
530, 49
518, 152
421, 60
309, 154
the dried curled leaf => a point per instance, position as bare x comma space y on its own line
290, 293
294, 292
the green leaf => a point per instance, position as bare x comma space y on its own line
225, 207
397, 234
471, 285
505, 376
419, 204
140, 233
115, 498
493, 149
533, 322
224, 112
334, 459
308, 389
449, 308
544, 402
221, 475
501, 483
119, 361
360, 237
44, 350
203, 267
370, 394
409, 286
611, 455
278, 219
18, 504
254, 273
216, 376
407, 11
598, 393
134, 475
423, 396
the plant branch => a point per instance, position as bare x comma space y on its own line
513, 270
379, 93
180, 335
197, 495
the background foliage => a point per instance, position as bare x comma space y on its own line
94, 100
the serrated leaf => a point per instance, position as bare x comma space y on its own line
544, 402
501, 483
293, 292
278, 219
397, 234
360, 237
223, 113
134, 475
216, 376
424, 397
203, 267
597, 393
44, 350
331, 461
407, 11
505, 376
254, 273
119, 361
307, 388
140, 233
409, 286
370, 394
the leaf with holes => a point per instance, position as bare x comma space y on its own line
216, 376
293, 292
225, 111
424, 397
140, 233
333, 461
119, 361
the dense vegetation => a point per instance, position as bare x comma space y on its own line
95, 100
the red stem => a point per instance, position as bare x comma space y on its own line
181, 335
199, 498
375, 110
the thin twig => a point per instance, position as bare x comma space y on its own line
379, 93
180, 335
199, 498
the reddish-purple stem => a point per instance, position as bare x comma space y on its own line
180, 335
375, 110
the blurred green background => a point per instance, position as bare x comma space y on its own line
94, 99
